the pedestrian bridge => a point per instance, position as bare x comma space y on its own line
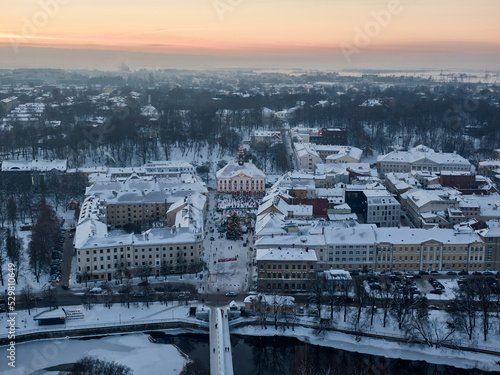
221, 359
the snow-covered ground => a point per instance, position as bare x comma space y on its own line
135, 351
132, 350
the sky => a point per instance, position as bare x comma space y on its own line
262, 33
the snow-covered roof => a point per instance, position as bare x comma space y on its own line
270, 299
50, 314
419, 153
155, 236
363, 234
233, 169
286, 254
406, 235
34, 165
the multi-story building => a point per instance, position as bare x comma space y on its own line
306, 156
487, 167
349, 248
8, 104
285, 270
382, 209
241, 179
177, 250
421, 158
142, 200
423, 201
491, 238
406, 249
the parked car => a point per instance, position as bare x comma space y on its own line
422, 273
463, 272
436, 291
477, 273
451, 273
434, 272
231, 294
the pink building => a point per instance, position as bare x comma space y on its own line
241, 179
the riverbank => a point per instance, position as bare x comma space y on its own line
176, 318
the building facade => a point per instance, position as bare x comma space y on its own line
421, 158
406, 249
172, 250
285, 270
241, 179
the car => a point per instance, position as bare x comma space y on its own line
477, 273
212, 238
422, 273
65, 287
184, 295
463, 272
433, 307
436, 291
417, 276
451, 307
451, 273
354, 273
397, 273
488, 273
434, 272
231, 294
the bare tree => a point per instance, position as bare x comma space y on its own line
50, 296
401, 305
94, 366
126, 293
464, 317
484, 299
27, 297
431, 331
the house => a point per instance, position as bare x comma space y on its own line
269, 304
50, 317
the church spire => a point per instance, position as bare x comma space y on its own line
241, 156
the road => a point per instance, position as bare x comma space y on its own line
287, 142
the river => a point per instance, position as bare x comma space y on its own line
154, 353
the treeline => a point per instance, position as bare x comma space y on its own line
448, 117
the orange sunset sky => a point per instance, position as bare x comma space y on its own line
344, 33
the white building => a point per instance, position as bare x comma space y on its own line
421, 158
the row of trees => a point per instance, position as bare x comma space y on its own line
352, 302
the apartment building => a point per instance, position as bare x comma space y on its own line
491, 238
